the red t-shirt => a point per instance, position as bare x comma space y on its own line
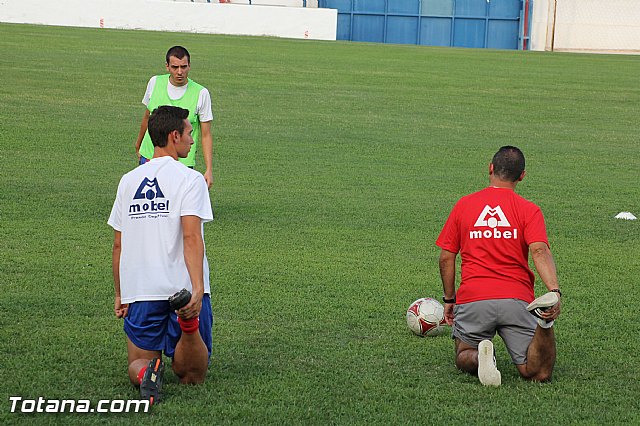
492, 229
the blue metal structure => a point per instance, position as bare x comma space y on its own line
497, 24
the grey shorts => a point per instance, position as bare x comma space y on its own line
477, 321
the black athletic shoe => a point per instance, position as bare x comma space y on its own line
151, 384
180, 299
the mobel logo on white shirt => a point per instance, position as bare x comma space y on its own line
149, 201
493, 217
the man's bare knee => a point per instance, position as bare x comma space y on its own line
134, 369
190, 374
540, 376
467, 360
194, 379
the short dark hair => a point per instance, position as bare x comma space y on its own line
179, 52
164, 120
508, 163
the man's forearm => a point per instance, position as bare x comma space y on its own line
193, 257
448, 273
143, 129
207, 145
546, 267
207, 151
115, 262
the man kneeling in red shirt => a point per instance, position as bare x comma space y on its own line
494, 230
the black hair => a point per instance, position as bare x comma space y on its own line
164, 120
508, 163
179, 52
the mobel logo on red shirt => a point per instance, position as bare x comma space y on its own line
494, 218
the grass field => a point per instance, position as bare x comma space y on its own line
336, 165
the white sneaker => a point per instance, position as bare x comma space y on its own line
488, 373
541, 304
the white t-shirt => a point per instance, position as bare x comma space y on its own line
149, 205
203, 110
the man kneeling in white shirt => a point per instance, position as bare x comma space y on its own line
158, 249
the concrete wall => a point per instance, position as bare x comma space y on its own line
540, 23
611, 26
160, 15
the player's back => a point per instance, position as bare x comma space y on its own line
152, 200
496, 227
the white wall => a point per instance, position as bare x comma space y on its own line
290, 3
540, 24
161, 15
587, 25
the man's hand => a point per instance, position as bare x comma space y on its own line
208, 177
191, 309
552, 313
448, 313
119, 308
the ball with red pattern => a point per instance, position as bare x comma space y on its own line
425, 317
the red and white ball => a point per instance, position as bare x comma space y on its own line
425, 317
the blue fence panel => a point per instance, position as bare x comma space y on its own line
368, 28
469, 32
461, 23
344, 27
471, 7
344, 17
407, 7
370, 6
402, 29
508, 9
435, 31
500, 35
342, 5
437, 7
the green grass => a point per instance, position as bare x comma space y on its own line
336, 165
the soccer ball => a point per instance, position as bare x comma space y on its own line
425, 317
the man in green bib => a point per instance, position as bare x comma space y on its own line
177, 89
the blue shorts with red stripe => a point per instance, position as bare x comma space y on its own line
153, 326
